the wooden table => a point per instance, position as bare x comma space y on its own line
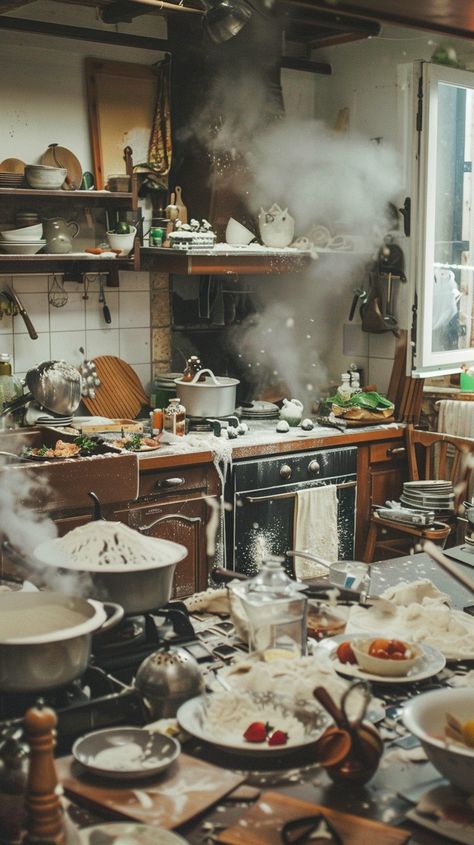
379, 799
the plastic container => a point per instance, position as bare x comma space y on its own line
467, 381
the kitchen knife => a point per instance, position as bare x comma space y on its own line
21, 310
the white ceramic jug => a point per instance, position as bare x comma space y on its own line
276, 226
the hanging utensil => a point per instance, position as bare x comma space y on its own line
25, 317
57, 295
105, 307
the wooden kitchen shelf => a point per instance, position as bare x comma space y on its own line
208, 263
127, 200
26, 264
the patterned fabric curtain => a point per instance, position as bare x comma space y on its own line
159, 147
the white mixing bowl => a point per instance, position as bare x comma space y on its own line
425, 717
27, 234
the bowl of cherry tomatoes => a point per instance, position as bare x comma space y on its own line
381, 656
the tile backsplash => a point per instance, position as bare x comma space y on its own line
80, 322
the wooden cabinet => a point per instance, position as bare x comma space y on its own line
173, 504
381, 470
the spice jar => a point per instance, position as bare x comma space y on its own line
174, 419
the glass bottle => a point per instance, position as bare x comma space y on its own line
193, 365
355, 382
10, 386
344, 390
276, 611
175, 418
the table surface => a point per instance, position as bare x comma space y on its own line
300, 778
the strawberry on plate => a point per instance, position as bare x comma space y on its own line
278, 738
257, 732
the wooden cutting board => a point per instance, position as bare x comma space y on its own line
120, 394
183, 791
263, 822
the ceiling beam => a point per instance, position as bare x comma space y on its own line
122, 39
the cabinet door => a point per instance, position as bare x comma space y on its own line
185, 523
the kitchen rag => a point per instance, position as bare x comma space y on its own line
315, 528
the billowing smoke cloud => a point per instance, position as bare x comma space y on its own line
23, 525
341, 181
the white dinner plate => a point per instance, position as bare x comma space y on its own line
192, 718
430, 663
129, 833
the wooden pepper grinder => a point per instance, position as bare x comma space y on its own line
45, 815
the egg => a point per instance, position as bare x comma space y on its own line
307, 425
282, 426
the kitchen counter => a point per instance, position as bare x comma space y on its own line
262, 439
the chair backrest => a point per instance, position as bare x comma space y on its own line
433, 455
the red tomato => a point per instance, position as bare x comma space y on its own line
378, 645
345, 654
397, 646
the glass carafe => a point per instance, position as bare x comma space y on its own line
276, 612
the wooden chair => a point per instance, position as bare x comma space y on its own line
431, 455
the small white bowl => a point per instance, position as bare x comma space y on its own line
425, 716
24, 235
382, 666
122, 242
45, 178
126, 753
237, 234
22, 248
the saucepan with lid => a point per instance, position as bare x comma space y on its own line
213, 396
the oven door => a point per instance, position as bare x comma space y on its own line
263, 517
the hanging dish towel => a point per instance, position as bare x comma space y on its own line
315, 528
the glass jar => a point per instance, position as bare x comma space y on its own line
174, 420
276, 612
10, 386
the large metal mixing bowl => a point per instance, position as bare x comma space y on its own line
56, 385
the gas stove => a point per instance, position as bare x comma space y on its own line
214, 424
105, 695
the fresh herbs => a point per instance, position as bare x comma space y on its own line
368, 401
86, 444
133, 443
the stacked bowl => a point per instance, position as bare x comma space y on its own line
25, 241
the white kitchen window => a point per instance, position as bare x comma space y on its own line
442, 254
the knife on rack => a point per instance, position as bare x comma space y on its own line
14, 298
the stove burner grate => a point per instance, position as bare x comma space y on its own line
214, 424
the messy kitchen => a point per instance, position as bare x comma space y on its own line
236, 422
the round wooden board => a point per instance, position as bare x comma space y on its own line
64, 158
12, 165
120, 394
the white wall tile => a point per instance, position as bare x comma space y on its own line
30, 284
134, 309
65, 346
36, 304
143, 372
94, 315
6, 325
6, 344
379, 373
70, 317
135, 345
382, 345
134, 281
103, 341
29, 352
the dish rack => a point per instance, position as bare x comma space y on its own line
192, 240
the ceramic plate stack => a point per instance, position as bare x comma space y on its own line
435, 496
12, 180
35, 415
259, 410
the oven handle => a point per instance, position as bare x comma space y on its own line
253, 499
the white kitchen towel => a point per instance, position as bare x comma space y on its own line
456, 417
315, 528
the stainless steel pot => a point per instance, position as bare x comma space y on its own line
213, 397
56, 386
137, 587
168, 678
45, 638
